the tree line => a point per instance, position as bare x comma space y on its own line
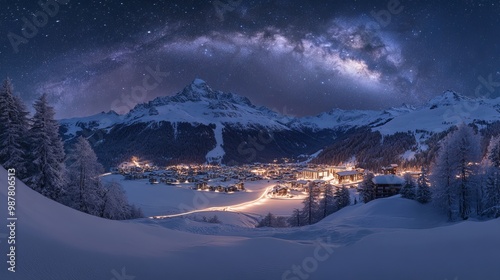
317, 206
33, 146
464, 182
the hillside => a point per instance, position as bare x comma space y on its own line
385, 239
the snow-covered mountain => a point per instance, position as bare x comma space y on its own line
197, 124
196, 104
200, 124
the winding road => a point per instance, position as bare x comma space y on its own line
218, 208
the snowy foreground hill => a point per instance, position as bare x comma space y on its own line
389, 238
232, 130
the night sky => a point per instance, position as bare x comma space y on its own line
295, 57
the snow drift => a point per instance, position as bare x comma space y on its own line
55, 242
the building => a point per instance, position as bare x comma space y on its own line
313, 174
387, 185
391, 169
349, 176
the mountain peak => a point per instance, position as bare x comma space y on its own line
199, 86
199, 82
447, 98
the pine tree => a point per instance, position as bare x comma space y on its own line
47, 153
327, 204
466, 144
310, 211
296, 219
115, 205
491, 193
84, 187
342, 197
423, 193
494, 151
270, 220
444, 193
454, 172
408, 191
367, 188
13, 130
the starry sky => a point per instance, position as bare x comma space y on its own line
295, 57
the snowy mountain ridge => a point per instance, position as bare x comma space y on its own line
231, 126
199, 103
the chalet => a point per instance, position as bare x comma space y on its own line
153, 180
240, 186
201, 186
280, 190
391, 169
349, 176
387, 185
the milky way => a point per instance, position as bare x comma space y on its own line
296, 57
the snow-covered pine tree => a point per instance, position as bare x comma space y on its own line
408, 191
342, 197
367, 188
14, 127
115, 205
268, 221
491, 193
310, 211
423, 193
296, 219
454, 172
46, 166
494, 151
444, 193
466, 145
327, 203
84, 188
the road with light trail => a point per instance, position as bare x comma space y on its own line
217, 208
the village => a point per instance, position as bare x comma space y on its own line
290, 179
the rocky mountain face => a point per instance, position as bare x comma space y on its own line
200, 125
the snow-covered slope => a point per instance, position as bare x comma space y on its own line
385, 239
442, 112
